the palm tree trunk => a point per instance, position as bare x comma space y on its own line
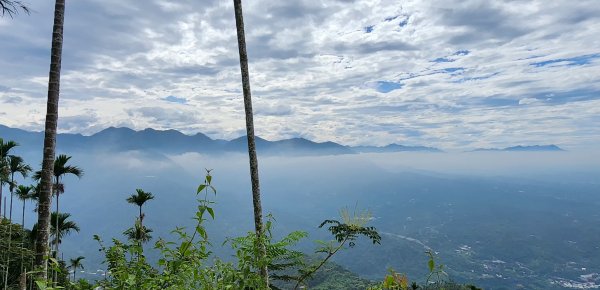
12, 180
1, 225
258, 224
31, 278
23, 281
50, 140
57, 192
1, 185
141, 222
56, 224
8, 257
23, 238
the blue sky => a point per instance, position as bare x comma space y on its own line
454, 74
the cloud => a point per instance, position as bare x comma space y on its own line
276, 109
457, 72
11, 100
78, 123
162, 115
528, 101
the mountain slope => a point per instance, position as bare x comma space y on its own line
530, 148
172, 141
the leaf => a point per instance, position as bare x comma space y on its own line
130, 279
211, 212
431, 265
389, 281
201, 188
208, 178
41, 285
402, 280
202, 232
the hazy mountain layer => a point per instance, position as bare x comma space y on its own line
172, 141
506, 220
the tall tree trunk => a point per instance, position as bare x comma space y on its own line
9, 234
11, 187
1, 185
258, 224
23, 281
56, 229
56, 224
23, 238
12, 181
31, 278
41, 252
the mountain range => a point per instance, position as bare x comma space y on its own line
524, 148
172, 141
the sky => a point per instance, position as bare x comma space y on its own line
454, 75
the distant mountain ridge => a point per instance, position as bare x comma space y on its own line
550, 147
173, 141
394, 148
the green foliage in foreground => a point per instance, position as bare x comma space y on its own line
187, 262
19, 257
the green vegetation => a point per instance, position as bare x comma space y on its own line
188, 262
16, 242
436, 279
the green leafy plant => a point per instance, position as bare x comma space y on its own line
437, 279
436, 272
55, 266
184, 263
344, 233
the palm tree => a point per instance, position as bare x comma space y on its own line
5, 147
35, 196
76, 264
16, 165
138, 232
4, 179
50, 139
60, 170
12, 7
258, 224
61, 226
139, 199
24, 193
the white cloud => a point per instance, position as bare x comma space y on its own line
466, 69
528, 101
